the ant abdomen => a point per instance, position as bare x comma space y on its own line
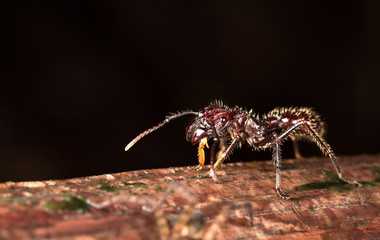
284, 118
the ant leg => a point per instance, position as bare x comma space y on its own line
326, 149
222, 148
277, 163
212, 160
222, 156
212, 157
323, 146
201, 153
297, 153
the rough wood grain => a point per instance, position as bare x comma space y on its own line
124, 205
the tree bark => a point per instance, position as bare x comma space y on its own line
242, 204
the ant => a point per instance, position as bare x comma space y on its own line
231, 127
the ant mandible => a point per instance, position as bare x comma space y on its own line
231, 127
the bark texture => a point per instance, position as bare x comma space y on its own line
241, 205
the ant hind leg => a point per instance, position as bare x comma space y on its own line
277, 164
326, 149
296, 148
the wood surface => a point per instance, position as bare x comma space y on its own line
241, 205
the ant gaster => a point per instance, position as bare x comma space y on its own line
231, 127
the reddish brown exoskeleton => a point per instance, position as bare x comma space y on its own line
231, 127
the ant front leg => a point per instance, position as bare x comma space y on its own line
222, 147
277, 164
212, 160
221, 157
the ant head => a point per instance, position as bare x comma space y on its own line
214, 119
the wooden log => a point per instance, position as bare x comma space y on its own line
241, 205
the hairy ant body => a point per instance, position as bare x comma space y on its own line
231, 127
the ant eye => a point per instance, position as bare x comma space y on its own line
223, 119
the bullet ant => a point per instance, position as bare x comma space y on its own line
231, 127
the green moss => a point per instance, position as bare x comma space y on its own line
158, 188
295, 200
69, 203
305, 173
133, 184
361, 223
13, 200
223, 181
143, 191
331, 176
369, 184
105, 186
314, 185
376, 173
311, 208
343, 187
333, 182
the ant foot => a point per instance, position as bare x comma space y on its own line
212, 174
282, 194
198, 168
354, 183
208, 175
298, 156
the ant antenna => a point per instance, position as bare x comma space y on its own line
168, 119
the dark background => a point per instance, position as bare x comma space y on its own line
80, 80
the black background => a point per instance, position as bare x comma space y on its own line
81, 79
